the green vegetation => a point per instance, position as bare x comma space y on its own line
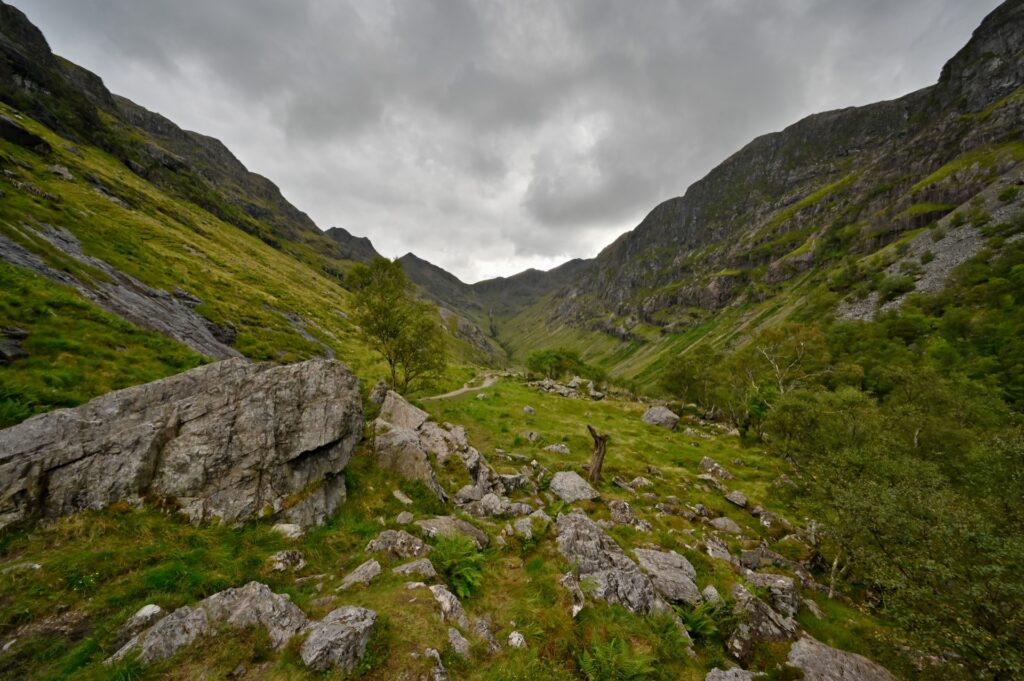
457, 558
614, 661
562, 362
404, 330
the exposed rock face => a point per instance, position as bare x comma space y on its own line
143, 619
290, 559
617, 579
712, 467
339, 640
399, 413
570, 487
661, 416
758, 622
364, 574
251, 605
820, 662
784, 595
737, 497
734, 674
399, 450
451, 607
623, 514
225, 441
725, 524
673, 576
558, 448
399, 544
417, 568
446, 526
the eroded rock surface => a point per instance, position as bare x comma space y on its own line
570, 487
820, 662
226, 441
339, 640
672, 574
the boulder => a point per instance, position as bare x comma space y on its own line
364, 574
710, 594
737, 497
143, 619
725, 524
399, 544
757, 623
402, 498
482, 628
288, 530
579, 600
493, 506
785, 598
451, 607
226, 441
570, 487
379, 392
558, 448
530, 436
404, 518
290, 559
251, 605
601, 562
399, 413
820, 662
623, 514
458, 643
673, 575
529, 411
714, 469
516, 640
734, 674
417, 568
400, 450
661, 416
446, 526
339, 640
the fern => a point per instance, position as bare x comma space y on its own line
614, 661
457, 558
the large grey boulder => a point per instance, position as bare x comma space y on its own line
782, 589
399, 413
672, 574
661, 416
339, 640
364, 574
251, 605
398, 544
570, 487
446, 526
451, 606
417, 568
602, 563
226, 441
400, 450
820, 662
757, 623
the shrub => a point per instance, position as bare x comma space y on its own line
1009, 194
457, 558
927, 257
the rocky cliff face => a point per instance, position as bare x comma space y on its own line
227, 441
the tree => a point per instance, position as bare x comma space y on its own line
597, 460
404, 330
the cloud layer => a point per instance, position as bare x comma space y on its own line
488, 137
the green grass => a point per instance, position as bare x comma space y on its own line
985, 157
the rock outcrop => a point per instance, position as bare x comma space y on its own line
338, 641
661, 416
673, 575
227, 441
570, 487
757, 623
820, 662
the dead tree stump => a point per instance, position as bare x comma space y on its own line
597, 460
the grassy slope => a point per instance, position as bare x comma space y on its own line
101, 566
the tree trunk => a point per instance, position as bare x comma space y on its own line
597, 460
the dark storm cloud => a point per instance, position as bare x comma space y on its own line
492, 136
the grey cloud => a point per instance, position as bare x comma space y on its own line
489, 136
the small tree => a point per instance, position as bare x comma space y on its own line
404, 330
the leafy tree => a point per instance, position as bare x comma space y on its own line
404, 330
561, 362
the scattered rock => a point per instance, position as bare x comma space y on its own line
379, 392
364, 574
710, 594
290, 559
758, 623
712, 467
570, 487
11, 338
481, 396
640, 482
458, 642
725, 524
400, 414
482, 628
718, 549
400, 450
398, 544
558, 448
404, 518
601, 562
673, 575
820, 662
529, 411
530, 436
143, 619
417, 568
785, 598
402, 497
62, 172
737, 497
439, 673
339, 640
523, 527
813, 608
579, 600
516, 640
622, 513
20, 567
446, 526
451, 608
226, 441
288, 530
734, 674
661, 416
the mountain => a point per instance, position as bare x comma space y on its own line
357, 248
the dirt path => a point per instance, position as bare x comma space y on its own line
489, 380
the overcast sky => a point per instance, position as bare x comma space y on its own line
488, 137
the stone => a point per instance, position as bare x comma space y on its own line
757, 623
493, 506
718, 549
820, 662
11, 339
601, 562
451, 607
402, 498
570, 487
813, 608
710, 594
290, 559
530, 436
439, 673
364, 574
446, 526
397, 411
404, 518
458, 643
640, 482
399, 544
661, 416
623, 514
400, 450
673, 576
251, 605
482, 628
417, 568
20, 567
339, 640
468, 493
737, 497
288, 530
725, 524
481, 396
143, 619
734, 674
785, 598
516, 640
529, 411
379, 392
226, 441
558, 448
713, 468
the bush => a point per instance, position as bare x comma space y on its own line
458, 560
562, 362
893, 287
1009, 194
